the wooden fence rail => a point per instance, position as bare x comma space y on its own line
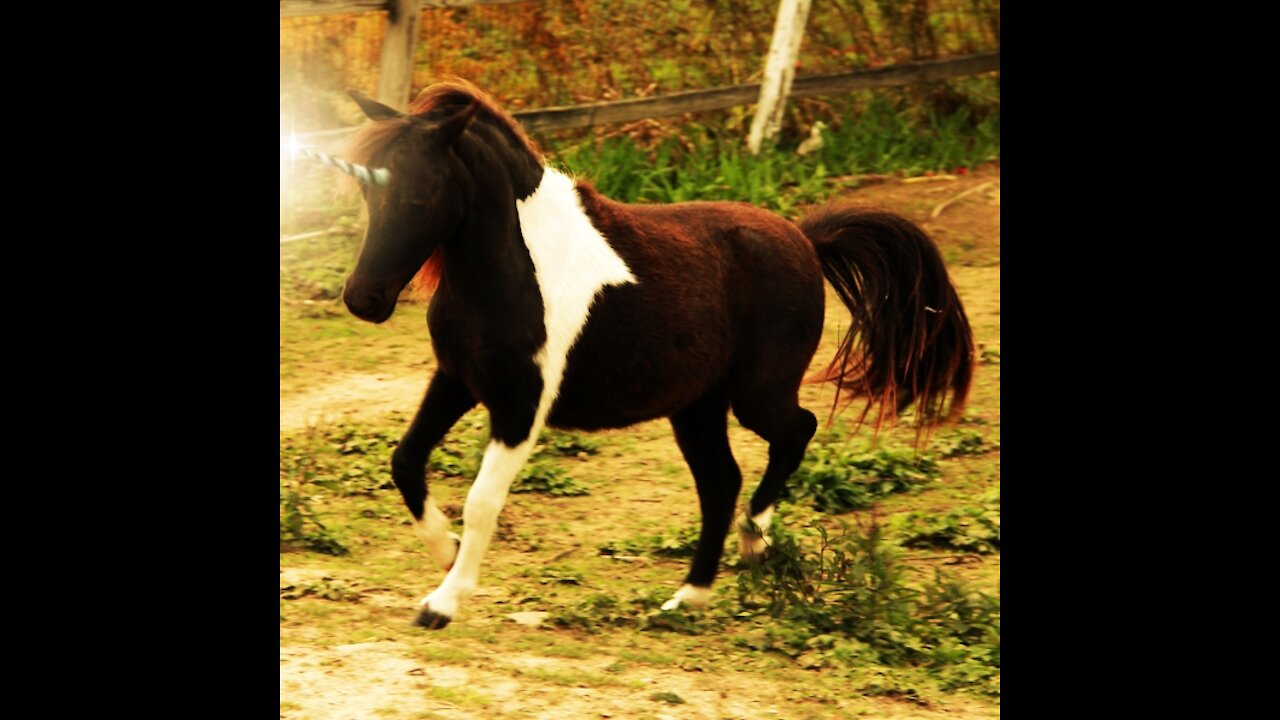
300, 8
557, 118
692, 101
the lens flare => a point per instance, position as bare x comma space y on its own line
290, 149
291, 145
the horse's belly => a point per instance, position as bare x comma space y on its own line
624, 396
631, 367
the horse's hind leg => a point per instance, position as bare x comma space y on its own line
702, 433
788, 428
445, 402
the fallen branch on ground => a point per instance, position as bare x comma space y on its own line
945, 204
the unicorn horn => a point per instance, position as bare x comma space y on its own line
377, 176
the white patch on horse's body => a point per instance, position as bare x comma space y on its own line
573, 263
434, 531
688, 595
752, 532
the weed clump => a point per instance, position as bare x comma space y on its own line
850, 602
837, 477
300, 525
846, 603
974, 528
540, 476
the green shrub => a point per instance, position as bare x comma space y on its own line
837, 477
300, 525
973, 529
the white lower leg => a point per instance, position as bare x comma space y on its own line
752, 532
691, 595
488, 494
433, 528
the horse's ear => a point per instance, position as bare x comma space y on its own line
374, 109
452, 127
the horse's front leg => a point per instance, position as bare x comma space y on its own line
513, 434
445, 402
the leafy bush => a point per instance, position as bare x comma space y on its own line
850, 588
836, 477
849, 602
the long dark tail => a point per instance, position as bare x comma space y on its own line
910, 341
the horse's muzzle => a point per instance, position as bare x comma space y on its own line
374, 307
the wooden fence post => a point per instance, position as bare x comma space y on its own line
779, 71
395, 79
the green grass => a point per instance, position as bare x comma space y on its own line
648, 658
841, 601
841, 472
971, 528
674, 543
461, 696
702, 165
443, 654
568, 678
541, 476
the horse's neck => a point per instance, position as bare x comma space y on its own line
488, 264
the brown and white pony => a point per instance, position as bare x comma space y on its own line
554, 305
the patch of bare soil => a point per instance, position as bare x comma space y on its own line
381, 679
359, 395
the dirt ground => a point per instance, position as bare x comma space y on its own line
364, 661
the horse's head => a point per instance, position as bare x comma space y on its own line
418, 207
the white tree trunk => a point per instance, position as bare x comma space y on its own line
779, 70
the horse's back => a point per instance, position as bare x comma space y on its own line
722, 288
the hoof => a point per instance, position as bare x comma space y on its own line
431, 620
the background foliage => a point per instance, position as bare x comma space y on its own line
565, 52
